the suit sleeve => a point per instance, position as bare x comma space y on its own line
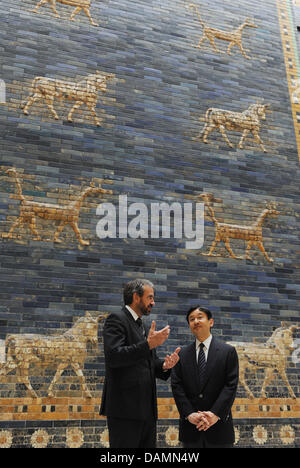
224, 402
117, 352
159, 372
182, 402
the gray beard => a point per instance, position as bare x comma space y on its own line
146, 312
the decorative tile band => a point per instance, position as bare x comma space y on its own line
291, 60
248, 434
44, 409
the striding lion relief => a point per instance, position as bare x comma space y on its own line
63, 351
270, 356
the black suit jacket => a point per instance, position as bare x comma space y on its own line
216, 393
131, 369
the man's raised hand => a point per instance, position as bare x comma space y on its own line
157, 338
171, 360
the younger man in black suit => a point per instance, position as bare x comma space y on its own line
204, 384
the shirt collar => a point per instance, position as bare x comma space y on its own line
205, 342
133, 313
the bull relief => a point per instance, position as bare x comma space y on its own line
85, 92
66, 215
246, 122
270, 357
251, 233
234, 37
69, 349
80, 5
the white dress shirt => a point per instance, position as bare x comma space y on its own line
205, 348
133, 313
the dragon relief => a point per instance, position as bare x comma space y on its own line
80, 5
251, 233
66, 214
233, 37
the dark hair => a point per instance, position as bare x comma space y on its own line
202, 309
135, 286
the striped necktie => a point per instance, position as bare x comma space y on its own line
201, 362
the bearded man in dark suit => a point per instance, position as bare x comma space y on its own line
204, 384
129, 394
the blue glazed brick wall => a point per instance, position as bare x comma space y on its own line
148, 146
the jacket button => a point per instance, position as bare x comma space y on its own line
201, 395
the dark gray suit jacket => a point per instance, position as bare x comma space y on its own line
216, 393
131, 369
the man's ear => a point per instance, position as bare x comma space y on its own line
135, 298
211, 322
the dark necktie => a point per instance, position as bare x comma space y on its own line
139, 322
201, 362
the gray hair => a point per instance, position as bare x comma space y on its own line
135, 286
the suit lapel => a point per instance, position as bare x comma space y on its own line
191, 364
128, 314
211, 360
137, 329
132, 321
